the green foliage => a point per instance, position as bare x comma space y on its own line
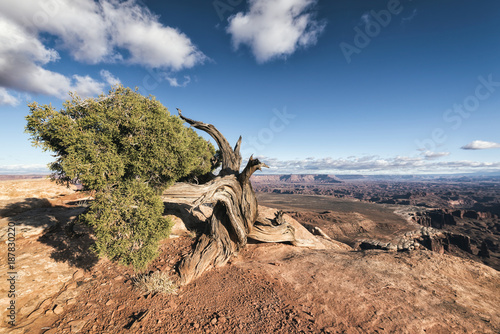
121, 136
127, 148
128, 223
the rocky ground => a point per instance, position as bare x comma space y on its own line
327, 287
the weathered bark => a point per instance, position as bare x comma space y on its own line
231, 159
235, 215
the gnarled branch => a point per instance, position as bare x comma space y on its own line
231, 159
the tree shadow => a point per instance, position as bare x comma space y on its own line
54, 225
194, 220
16, 208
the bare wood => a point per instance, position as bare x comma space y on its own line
235, 216
276, 230
231, 159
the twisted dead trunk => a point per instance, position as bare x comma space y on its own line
235, 215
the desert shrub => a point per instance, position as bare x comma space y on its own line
126, 148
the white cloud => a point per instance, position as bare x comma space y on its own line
434, 155
480, 145
174, 83
24, 169
7, 99
109, 78
86, 86
275, 28
149, 43
91, 32
374, 164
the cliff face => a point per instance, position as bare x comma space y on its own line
434, 218
439, 218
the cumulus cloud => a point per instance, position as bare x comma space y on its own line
275, 28
373, 164
480, 145
149, 43
108, 31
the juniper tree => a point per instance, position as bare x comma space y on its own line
129, 150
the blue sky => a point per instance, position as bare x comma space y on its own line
370, 87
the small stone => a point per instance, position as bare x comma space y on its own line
196, 325
118, 278
71, 301
172, 305
121, 307
214, 321
58, 309
222, 320
110, 302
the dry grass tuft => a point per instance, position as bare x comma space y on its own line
157, 281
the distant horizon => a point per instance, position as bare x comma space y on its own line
488, 173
